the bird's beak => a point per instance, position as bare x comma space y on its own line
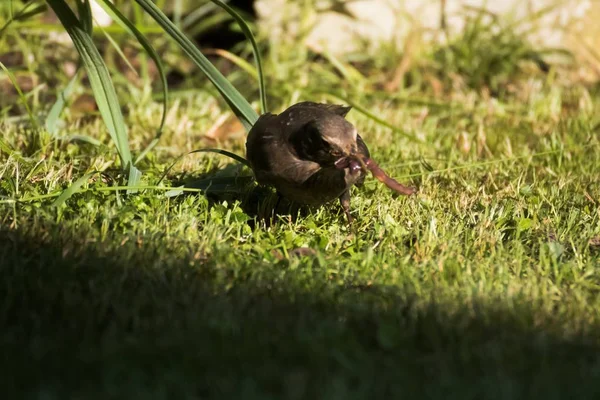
341, 163
358, 159
353, 161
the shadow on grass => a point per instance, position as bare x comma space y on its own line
160, 320
262, 204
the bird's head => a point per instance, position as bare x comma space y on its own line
329, 141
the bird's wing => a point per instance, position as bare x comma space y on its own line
265, 123
261, 138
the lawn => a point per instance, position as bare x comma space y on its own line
484, 285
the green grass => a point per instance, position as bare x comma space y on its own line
485, 285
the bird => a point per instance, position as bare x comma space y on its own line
309, 153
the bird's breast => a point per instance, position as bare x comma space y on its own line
323, 186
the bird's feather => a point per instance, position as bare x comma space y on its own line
332, 108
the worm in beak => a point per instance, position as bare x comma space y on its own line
353, 162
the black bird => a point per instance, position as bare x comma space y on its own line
309, 153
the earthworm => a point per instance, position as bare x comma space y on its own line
390, 182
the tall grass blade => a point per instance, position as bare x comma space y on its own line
240, 106
26, 12
53, 116
134, 177
81, 138
351, 74
22, 97
120, 52
5, 148
195, 17
84, 9
537, 15
237, 60
116, 15
373, 117
207, 23
100, 81
248, 33
71, 190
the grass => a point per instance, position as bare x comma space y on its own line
485, 285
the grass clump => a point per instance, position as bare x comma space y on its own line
489, 53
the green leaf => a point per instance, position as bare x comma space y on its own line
240, 106
116, 15
100, 81
68, 192
248, 33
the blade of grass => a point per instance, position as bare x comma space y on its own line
100, 189
134, 177
117, 48
239, 61
81, 138
351, 74
248, 33
240, 106
372, 116
11, 9
24, 14
534, 16
208, 23
4, 147
488, 162
100, 81
195, 17
84, 9
59, 105
139, 22
22, 97
116, 15
177, 12
187, 189
74, 188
